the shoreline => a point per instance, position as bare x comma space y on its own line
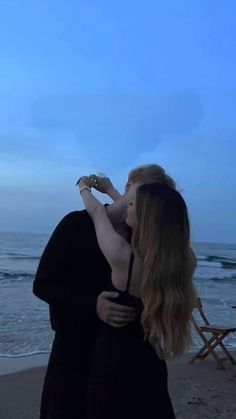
14, 364
10, 364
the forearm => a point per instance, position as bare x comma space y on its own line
92, 204
114, 194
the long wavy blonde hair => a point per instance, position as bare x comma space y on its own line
161, 239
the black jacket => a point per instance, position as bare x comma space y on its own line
71, 274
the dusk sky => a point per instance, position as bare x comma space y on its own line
102, 86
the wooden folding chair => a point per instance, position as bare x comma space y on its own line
218, 333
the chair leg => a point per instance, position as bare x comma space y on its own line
213, 353
197, 355
206, 350
209, 349
203, 352
218, 360
228, 354
217, 340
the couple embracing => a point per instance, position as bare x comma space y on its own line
118, 281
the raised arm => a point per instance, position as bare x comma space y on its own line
113, 246
91, 203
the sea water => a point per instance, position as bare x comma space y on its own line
24, 319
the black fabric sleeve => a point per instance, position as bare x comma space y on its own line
54, 281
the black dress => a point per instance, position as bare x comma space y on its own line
127, 378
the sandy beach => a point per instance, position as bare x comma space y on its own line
197, 391
202, 390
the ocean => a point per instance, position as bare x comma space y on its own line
24, 320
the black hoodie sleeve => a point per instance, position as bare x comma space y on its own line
57, 274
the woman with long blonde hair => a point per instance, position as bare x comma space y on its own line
153, 273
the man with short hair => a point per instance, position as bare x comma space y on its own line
72, 278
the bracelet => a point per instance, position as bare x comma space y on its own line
85, 187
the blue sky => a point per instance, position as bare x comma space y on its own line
105, 86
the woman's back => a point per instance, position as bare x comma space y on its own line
127, 377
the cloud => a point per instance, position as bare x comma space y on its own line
126, 125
